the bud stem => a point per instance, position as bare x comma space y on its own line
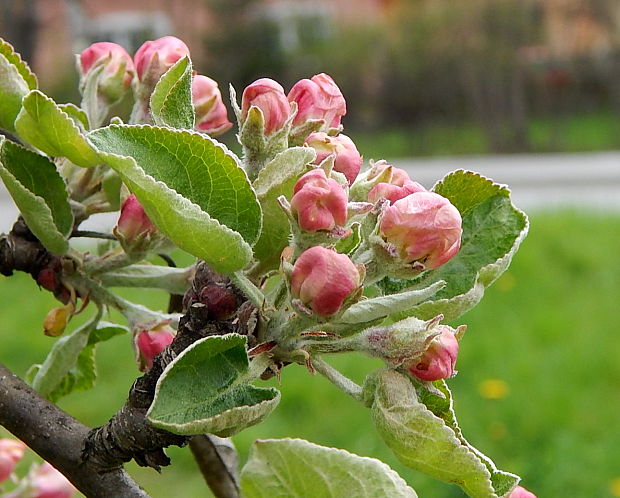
335, 377
245, 285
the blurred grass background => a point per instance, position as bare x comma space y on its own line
537, 389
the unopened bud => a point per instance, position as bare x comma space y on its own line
211, 113
118, 72
152, 342
155, 57
268, 96
134, 227
392, 192
47, 482
319, 203
521, 492
423, 227
221, 301
318, 98
11, 452
56, 320
347, 159
323, 279
439, 359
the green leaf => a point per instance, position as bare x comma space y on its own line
70, 364
7, 50
278, 178
80, 118
190, 186
492, 232
366, 310
207, 389
294, 468
171, 101
39, 192
12, 90
45, 125
424, 441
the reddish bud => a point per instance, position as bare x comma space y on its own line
211, 113
318, 98
393, 192
347, 159
439, 359
395, 176
520, 492
155, 57
268, 96
152, 342
47, 482
11, 452
48, 279
320, 203
221, 301
323, 279
423, 227
118, 64
133, 221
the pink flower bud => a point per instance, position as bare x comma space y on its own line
323, 279
268, 96
318, 98
211, 113
155, 57
152, 342
520, 492
133, 221
115, 58
439, 359
393, 192
11, 452
320, 203
397, 176
47, 482
423, 227
347, 160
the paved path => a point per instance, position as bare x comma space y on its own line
589, 180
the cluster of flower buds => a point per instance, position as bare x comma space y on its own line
149, 343
323, 282
346, 157
11, 452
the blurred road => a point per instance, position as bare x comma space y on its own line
588, 180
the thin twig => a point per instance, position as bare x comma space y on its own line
217, 460
92, 234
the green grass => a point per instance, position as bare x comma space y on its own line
573, 133
547, 329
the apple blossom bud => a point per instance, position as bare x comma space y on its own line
155, 57
133, 221
268, 96
47, 482
11, 452
118, 72
318, 98
423, 227
211, 113
347, 159
152, 342
393, 192
323, 279
521, 492
320, 203
439, 359
385, 172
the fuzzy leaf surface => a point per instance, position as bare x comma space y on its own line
191, 187
278, 178
429, 442
7, 50
295, 468
49, 128
171, 101
39, 192
206, 389
12, 89
493, 229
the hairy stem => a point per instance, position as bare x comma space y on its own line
335, 377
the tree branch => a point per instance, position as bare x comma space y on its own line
58, 438
217, 460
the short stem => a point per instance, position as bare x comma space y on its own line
335, 377
112, 262
245, 285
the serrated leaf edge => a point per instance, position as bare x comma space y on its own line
22, 67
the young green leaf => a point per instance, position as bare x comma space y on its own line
190, 186
7, 50
49, 128
207, 389
276, 179
294, 468
171, 101
492, 232
427, 442
39, 192
12, 89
